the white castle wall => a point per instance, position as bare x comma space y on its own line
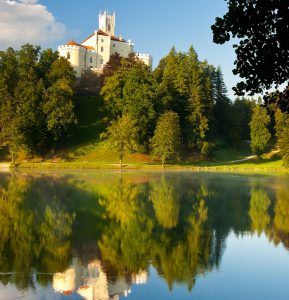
77, 57
95, 52
146, 58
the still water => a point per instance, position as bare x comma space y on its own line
144, 236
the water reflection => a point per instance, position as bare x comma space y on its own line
91, 282
95, 237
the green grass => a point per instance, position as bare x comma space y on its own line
227, 154
84, 138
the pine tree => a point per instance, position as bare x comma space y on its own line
222, 107
198, 122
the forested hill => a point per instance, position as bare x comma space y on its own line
178, 111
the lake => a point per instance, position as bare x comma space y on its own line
144, 235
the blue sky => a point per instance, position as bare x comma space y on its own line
154, 26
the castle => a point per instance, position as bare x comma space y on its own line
95, 51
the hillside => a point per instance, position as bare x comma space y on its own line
82, 147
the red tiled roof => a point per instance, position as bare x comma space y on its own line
73, 43
101, 32
67, 293
114, 38
88, 47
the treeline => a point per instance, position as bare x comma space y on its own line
36, 105
177, 109
185, 94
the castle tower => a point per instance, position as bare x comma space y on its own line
107, 22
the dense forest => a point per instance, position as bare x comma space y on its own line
178, 109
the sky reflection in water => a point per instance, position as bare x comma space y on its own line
144, 236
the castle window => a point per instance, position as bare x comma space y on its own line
90, 60
109, 27
68, 55
102, 40
101, 49
101, 61
113, 45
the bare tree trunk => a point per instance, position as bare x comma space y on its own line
120, 161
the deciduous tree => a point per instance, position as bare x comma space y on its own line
260, 135
165, 143
121, 136
262, 28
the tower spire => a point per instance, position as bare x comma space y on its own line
107, 22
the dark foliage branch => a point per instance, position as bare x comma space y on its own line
262, 28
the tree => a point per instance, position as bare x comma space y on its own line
282, 134
58, 108
132, 90
36, 102
197, 119
165, 143
10, 134
260, 134
173, 78
222, 105
240, 117
188, 89
121, 136
262, 28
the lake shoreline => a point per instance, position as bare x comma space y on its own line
234, 168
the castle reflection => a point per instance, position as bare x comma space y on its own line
92, 283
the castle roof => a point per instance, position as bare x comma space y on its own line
73, 43
101, 32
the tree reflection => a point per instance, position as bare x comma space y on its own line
281, 219
259, 210
31, 238
176, 222
280, 229
166, 201
179, 250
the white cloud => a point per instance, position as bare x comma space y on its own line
27, 21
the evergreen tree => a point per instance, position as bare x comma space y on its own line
207, 77
241, 114
198, 122
222, 108
260, 135
172, 76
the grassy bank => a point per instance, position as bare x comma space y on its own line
142, 162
